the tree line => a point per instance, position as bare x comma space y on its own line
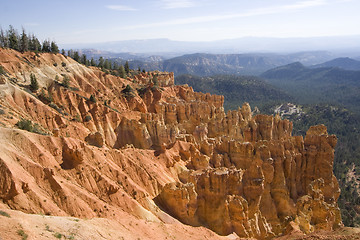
24, 42
105, 64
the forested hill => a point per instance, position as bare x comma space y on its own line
344, 63
320, 85
237, 89
203, 64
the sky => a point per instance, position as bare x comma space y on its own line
88, 21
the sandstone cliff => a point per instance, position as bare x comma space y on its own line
156, 149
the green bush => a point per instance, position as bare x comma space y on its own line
25, 124
5, 214
21, 233
87, 118
66, 81
128, 91
58, 235
92, 98
2, 70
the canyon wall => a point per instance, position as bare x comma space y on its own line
157, 151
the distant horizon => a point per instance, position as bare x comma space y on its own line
237, 45
218, 40
74, 22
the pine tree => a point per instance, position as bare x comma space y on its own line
13, 38
122, 72
66, 81
34, 44
126, 67
115, 66
24, 41
76, 56
70, 53
83, 59
101, 62
46, 46
34, 85
63, 52
54, 48
92, 62
107, 64
3, 39
92, 98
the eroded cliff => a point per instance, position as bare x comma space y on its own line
150, 149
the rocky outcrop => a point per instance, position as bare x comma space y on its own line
95, 139
157, 149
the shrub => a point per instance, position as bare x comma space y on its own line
5, 214
77, 118
66, 81
2, 70
55, 64
44, 97
128, 91
87, 118
92, 98
21, 233
63, 64
58, 235
25, 124
54, 106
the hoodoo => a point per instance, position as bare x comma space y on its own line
153, 152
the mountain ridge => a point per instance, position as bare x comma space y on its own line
245, 44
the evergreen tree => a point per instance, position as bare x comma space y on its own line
126, 67
3, 39
92, 98
155, 80
46, 46
34, 85
66, 81
115, 66
83, 59
76, 56
24, 41
71, 53
122, 72
54, 48
63, 52
107, 64
101, 62
92, 62
13, 38
34, 44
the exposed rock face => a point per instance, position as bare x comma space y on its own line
162, 145
95, 139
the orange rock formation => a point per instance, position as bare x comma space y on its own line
163, 149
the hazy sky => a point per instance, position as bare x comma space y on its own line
88, 21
